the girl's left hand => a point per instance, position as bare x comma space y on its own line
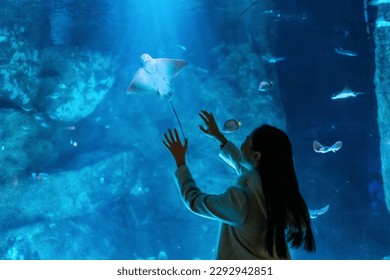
174, 145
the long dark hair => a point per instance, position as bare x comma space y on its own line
288, 217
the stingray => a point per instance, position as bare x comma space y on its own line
156, 77
319, 148
317, 212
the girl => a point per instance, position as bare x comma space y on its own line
264, 212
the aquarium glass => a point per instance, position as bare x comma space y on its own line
83, 112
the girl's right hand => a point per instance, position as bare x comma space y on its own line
212, 127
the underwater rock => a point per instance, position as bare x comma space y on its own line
240, 89
64, 84
238, 69
382, 84
65, 194
17, 68
22, 146
46, 210
18, 247
73, 83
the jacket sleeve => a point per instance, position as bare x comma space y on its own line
232, 155
229, 207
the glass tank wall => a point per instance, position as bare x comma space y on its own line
84, 172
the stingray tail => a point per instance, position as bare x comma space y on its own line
181, 128
177, 118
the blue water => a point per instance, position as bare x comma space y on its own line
93, 180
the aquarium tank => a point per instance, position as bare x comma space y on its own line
85, 174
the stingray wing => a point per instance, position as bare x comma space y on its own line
142, 82
316, 212
169, 68
336, 146
323, 210
318, 148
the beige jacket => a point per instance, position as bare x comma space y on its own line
240, 209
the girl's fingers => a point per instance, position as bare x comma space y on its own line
174, 139
204, 119
177, 136
171, 135
207, 114
166, 145
167, 139
203, 129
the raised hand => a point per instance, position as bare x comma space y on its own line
211, 129
174, 145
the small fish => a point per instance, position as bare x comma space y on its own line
52, 117
43, 176
265, 85
202, 70
317, 212
319, 148
345, 93
378, 2
40, 176
381, 22
71, 127
183, 48
25, 128
272, 59
345, 52
73, 143
230, 126
44, 124
62, 86
39, 116
268, 12
55, 95
26, 109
